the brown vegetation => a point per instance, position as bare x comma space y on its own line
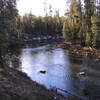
77, 49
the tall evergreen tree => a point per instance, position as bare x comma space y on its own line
88, 15
8, 13
95, 20
73, 22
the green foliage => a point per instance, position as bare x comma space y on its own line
95, 29
82, 23
88, 39
41, 26
66, 30
71, 25
8, 14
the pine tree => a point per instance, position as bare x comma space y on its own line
88, 15
73, 22
95, 20
8, 13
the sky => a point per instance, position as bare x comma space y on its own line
37, 6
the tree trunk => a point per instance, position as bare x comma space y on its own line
1, 59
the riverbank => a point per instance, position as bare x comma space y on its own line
77, 49
16, 85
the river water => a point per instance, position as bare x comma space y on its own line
61, 70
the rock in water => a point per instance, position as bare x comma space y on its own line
82, 73
42, 71
97, 60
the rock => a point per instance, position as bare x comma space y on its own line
81, 73
43, 71
98, 59
55, 97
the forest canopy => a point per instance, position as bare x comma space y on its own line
81, 24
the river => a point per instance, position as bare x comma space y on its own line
60, 70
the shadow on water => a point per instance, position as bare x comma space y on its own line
61, 70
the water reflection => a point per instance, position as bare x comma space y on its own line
61, 68
54, 62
